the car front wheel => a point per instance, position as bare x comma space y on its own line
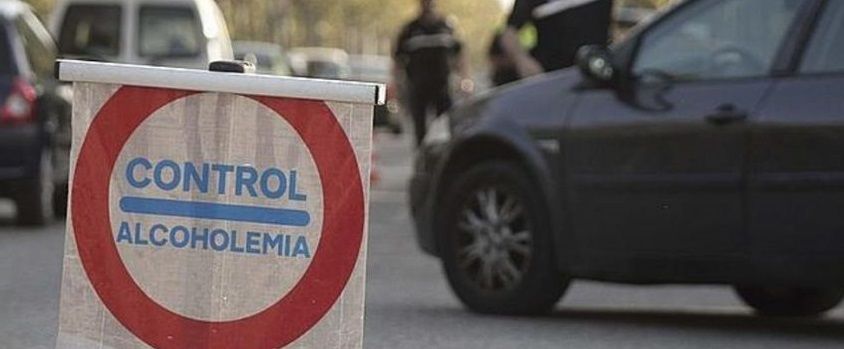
496, 242
790, 301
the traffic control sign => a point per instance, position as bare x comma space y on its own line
208, 218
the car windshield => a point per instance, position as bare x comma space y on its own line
5, 53
91, 30
168, 32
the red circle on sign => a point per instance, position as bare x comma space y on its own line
281, 323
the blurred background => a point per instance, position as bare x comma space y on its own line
365, 27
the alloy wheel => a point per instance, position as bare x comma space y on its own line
494, 239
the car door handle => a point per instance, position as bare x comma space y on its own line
726, 114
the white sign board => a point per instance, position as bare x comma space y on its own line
215, 210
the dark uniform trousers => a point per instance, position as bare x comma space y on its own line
422, 102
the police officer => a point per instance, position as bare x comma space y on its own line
563, 26
427, 52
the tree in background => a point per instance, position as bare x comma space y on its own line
358, 26
255, 20
42, 7
371, 26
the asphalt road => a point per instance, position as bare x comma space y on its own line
409, 304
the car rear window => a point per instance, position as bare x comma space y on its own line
91, 30
166, 31
5, 52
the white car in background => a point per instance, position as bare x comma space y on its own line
174, 33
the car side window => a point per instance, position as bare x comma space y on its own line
825, 53
91, 30
39, 55
717, 39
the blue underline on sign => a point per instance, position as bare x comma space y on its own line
207, 210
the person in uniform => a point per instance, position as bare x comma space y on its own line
427, 53
562, 26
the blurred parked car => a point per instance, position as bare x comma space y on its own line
320, 62
371, 68
175, 33
269, 58
708, 148
34, 118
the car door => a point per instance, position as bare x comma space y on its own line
796, 169
654, 167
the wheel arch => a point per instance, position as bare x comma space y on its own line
497, 147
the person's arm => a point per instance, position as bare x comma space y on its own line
526, 65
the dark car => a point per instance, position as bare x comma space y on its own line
707, 148
34, 118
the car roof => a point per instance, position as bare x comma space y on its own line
12, 8
209, 26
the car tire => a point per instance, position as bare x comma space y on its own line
496, 244
790, 301
35, 196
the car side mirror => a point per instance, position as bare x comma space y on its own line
596, 63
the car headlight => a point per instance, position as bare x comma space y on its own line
439, 131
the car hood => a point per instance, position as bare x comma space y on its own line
533, 103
